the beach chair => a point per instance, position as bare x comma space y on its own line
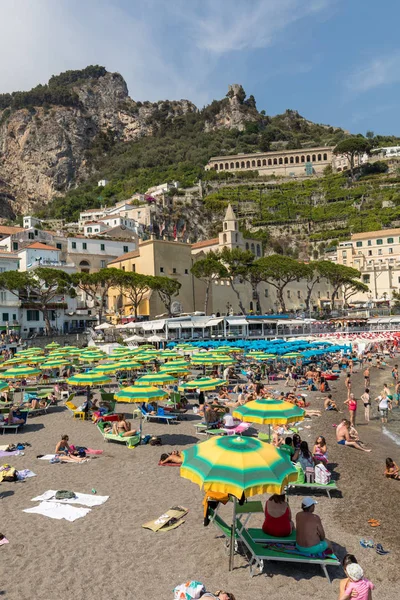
77, 414
258, 553
131, 442
40, 410
204, 429
328, 488
160, 415
14, 426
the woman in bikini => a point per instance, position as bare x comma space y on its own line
63, 451
123, 428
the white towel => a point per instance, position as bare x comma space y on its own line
55, 510
24, 474
47, 457
84, 499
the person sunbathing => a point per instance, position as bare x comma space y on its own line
392, 470
330, 404
122, 428
223, 394
15, 417
36, 403
219, 595
173, 457
64, 453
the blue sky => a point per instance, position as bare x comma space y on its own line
335, 61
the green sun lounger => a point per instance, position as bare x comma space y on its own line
258, 553
328, 488
131, 442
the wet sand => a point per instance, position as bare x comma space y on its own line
107, 554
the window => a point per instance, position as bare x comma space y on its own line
102, 247
89, 230
319, 295
102, 264
134, 268
186, 271
288, 293
298, 294
161, 269
32, 315
14, 317
59, 246
31, 235
366, 278
390, 250
3, 296
266, 292
369, 243
126, 249
390, 240
5, 317
344, 253
73, 245
369, 252
174, 270
379, 242
380, 252
84, 246
15, 245
327, 295
359, 244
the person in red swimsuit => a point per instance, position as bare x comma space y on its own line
278, 518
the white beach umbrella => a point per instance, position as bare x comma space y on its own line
103, 326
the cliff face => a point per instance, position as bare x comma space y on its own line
234, 111
44, 150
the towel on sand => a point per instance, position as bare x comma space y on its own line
24, 474
56, 510
84, 499
3, 453
4, 541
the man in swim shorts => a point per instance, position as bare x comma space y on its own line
343, 436
310, 534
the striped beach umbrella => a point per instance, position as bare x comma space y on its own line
107, 368
156, 379
21, 371
174, 369
128, 365
52, 345
240, 466
13, 361
204, 383
3, 386
89, 379
33, 360
269, 412
137, 394
55, 364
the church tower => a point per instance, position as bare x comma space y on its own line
230, 236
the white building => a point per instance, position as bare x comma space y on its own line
30, 222
9, 303
41, 255
90, 255
102, 183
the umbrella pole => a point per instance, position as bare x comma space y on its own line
232, 546
269, 432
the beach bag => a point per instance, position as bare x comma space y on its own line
8, 473
322, 475
190, 590
64, 495
310, 475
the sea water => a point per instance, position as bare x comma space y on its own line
392, 428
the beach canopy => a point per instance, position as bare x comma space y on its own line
55, 364
238, 465
204, 383
106, 368
53, 345
89, 379
139, 393
127, 365
3, 386
21, 371
156, 379
269, 412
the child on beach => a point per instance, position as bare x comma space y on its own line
392, 470
357, 583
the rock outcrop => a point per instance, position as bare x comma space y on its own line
234, 111
45, 150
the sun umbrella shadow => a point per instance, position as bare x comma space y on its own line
178, 439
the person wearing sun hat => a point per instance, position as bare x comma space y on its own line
310, 534
357, 583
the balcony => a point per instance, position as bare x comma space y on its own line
53, 264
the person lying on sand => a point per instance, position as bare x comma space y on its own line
173, 457
63, 451
392, 470
123, 427
220, 595
343, 437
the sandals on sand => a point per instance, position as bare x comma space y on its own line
366, 543
380, 550
374, 522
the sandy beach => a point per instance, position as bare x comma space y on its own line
107, 554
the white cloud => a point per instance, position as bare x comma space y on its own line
380, 71
163, 49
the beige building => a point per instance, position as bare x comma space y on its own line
306, 161
376, 254
157, 258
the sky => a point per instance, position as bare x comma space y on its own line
335, 61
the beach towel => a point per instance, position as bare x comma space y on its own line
24, 474
169, 520
84, 499
3, 453
56, 510
160, 464
47, 457
4, 541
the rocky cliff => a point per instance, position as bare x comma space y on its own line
45, 149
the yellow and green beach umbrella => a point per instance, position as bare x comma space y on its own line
269, 412
55, 364
204, 383
156, 379
137, 394
21, 371
3, 386
89, 379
